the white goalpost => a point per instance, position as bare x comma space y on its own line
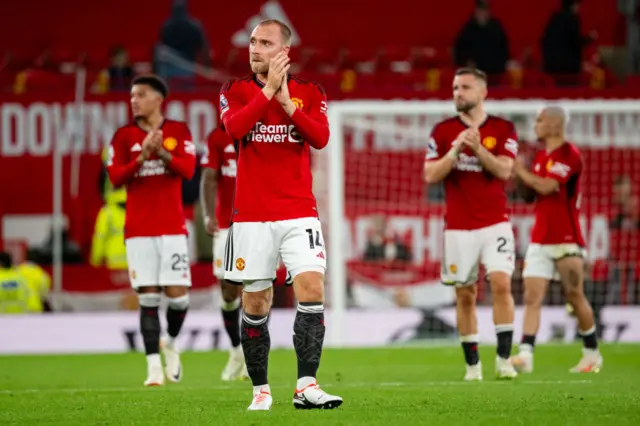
372, 168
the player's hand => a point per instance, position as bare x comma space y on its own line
471, 138
282, 95
519, 165
211, 226
158, 139
149, 144
278, 67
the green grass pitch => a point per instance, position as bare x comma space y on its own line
421, 385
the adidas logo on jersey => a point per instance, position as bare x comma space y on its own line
136, 148
274, 133
229, 148
270, 10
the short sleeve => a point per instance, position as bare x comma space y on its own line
434, 144
508, 145
230, 99
565, 169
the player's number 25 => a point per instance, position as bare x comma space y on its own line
179, 262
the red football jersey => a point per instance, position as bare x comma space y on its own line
221, 157
475, 198
154, 189
274, 173
557, 220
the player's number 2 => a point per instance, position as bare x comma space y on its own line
179, 262
502, 242
313, 244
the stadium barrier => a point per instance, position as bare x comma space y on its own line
117, 332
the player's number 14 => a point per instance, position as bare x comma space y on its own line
317, 242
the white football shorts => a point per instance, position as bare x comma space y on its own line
464, 250
158, 261
219, 243
254, 249
540, 260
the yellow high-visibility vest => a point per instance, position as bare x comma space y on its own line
17, 294
108, 247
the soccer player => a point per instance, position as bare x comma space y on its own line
557, 244
216, 191
151, 156
275, 119
473, 154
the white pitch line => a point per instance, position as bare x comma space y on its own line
173, 388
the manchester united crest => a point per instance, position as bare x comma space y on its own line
489, 142
170, 144
297, 102
240, 264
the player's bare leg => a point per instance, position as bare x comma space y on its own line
231, 294
256, 341
178, 297
503, 313
308, 338
467, 322
535, 289
571, 270
149, 298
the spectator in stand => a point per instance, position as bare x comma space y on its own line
625, 243
24, 289
563, 43
120, 70
186, 41
383, 247
482, 42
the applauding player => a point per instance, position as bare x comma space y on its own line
557, 244
473, 154
151, 156
276, 119
216, 191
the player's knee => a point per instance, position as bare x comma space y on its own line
174, 291
149, 300
574, 295
257, 297
500, 285
533, 297
466, 297
229, 291
180, 303
309, 287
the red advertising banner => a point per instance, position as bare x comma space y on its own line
31, 126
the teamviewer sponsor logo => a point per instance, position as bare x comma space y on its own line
152, 168
468, 163
274, 133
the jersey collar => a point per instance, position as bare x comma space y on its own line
467, 126
261, 84
135, 123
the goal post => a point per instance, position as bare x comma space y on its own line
370, 177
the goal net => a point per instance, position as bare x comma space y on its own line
384, 226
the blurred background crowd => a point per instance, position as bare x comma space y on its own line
551, 49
